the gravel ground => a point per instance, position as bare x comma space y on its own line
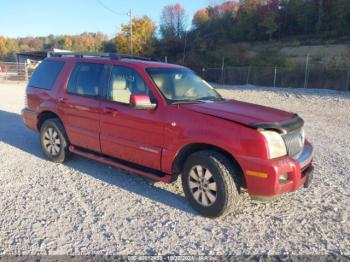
84, 207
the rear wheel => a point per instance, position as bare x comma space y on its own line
210, 182
54, 142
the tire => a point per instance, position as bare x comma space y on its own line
224, 178
54, 141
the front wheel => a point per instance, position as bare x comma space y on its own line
54, 142
210, 182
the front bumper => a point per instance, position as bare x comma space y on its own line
263, 176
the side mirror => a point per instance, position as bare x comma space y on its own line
141, 102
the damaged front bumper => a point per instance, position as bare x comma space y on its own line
267, 179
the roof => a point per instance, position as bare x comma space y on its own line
113, 59
149, 63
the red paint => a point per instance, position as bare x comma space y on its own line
154, 138
165, 179
139, 100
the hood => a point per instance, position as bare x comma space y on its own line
241, 112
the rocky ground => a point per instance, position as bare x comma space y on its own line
84, 207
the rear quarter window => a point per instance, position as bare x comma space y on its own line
46, 74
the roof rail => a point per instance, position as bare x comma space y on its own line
138, 58
103, 55
81, 55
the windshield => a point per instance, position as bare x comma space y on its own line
182, 85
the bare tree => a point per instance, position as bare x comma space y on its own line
173, 21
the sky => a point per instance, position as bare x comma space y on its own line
20, 18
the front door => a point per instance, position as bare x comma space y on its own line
126, 133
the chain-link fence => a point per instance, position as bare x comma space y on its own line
312, 76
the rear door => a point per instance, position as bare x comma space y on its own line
127, 133
80, 104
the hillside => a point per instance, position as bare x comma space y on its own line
273, 53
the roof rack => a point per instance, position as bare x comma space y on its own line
138, 58
103, 55
80, 55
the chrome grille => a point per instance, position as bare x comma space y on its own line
294, 141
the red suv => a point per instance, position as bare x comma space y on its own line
161, 121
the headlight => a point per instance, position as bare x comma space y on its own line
275, 144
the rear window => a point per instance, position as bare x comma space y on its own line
46, 74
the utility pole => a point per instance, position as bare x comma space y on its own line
184, 53
131, 33
117, 13
222, 70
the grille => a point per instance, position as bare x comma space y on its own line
294, 141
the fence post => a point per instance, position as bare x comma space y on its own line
222, 70
248, 75
347, 82
26, 71
6, 72
306, 71
275, 77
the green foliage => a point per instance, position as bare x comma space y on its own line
270, 24
317, 57
269, 57
217, 28
86, 42
217, 31
142, 37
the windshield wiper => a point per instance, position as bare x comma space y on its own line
210, 98
187, 102
204, 99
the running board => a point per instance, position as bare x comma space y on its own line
124, 165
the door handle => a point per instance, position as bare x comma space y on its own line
110, 111
63, 100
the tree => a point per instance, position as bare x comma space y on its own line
84, 43
142, 38
67, 43
268, 17
251, 5
341, 17
228, 8
12, 46
270, 25
3, 48
172, 22
200, 17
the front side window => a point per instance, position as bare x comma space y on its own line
125, 82
46, 74
182, 85
85, 79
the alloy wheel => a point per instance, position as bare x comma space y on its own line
52, 142
202, 185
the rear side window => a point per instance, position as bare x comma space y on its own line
85, 79
46, 74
